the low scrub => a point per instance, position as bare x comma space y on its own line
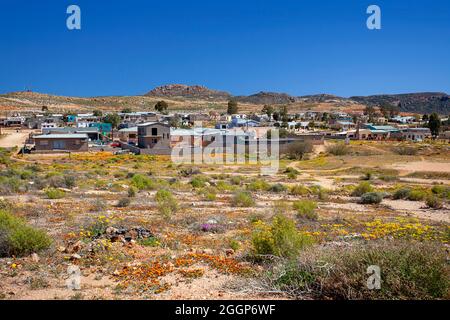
167, 204
409, 270
371, 198
142, 182
54, 193
417, 195
280, 238
243, 199
258, 185
277, 187
306, 209
298, 150
17, 238
401, 193
299, 190
338, 149
405, 150
362, 188
434, 202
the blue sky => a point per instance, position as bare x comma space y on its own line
299, 47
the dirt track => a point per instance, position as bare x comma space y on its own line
12, 138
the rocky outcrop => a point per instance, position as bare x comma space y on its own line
184, 91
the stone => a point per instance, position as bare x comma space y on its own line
35, 257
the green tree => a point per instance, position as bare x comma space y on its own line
98, 113
161, 106
232, 107
267, 109
434, 123
127, 110
114, 119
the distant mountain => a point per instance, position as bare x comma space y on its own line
267, 98
426, 102
183, 97
184, 91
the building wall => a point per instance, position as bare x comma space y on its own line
71, 144
148, 139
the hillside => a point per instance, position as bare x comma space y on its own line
199, 98
426, 102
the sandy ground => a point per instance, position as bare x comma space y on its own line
12, 138
418, 209
423, 166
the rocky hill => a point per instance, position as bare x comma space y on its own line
267, 98
189, 92
425, 102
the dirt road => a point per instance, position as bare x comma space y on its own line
11, 138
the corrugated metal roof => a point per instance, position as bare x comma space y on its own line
62, 136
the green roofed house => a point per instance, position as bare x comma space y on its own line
75, 142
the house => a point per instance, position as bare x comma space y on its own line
93, 133
415, 134
139, 117
128, 135
404, 120
155, 137
61, 142
16, 121
341, 125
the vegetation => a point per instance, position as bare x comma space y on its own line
280, 238
19, 239
298, 150
338, 149
371, 198
362, 188
53, 193
167, 204
243, 199
232, 107
306, 209
161, 106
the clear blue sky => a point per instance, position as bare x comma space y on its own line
299, 47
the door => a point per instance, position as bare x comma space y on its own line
59, 144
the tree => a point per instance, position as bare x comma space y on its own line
284, 114
44, 108
434, 123
425, 117
269, 110
370, 111
127, 110
98, 113
297, 150
232, 107
161, 106
325, 117
112, 118
175, 121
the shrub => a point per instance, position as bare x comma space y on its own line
408, 271
53, 193
401, 193
199, 181
306, 209
297, 150
417, 195
132, 190
363, 187
281, 238
189, 171
167, 204
98, 205
434, 202
291, 173
441, 191
19, 239
123, 202
338, 149
371, 198
236, 180
299, 190
367, 176
258, 185
142, 182
405, 151
277, 187
280, 207
243, 199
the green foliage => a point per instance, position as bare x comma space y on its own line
54, 193
409, 271
434, 123
299, 190
142, 182
243, 199
362, 188
277, 187
441, 191
306, 209
149, 242
113, 119
258, 185
132, 191
371, 198
166, 202
232, 107
401, 193
280, 238
433, 202
199, 181
19, 239
161, 106
417, 195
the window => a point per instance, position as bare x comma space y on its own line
154, 131
58, 144
154, 141
43, 142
